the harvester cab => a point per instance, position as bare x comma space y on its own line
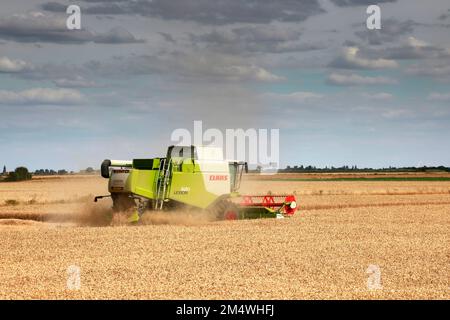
189, 177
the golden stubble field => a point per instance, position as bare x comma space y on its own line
400, 228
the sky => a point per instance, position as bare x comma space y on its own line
339, 93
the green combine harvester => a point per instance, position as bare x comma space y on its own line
189, 177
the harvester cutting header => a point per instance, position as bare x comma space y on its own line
189, 177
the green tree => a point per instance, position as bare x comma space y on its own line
89, 170
20, 174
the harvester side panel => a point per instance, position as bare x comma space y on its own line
143, 183
201, 184
189, 188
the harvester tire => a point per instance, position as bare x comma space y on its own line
226, 210
122, 202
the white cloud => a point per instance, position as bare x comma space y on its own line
248, 72
41, 96
350, 59
76, 82
416, 43
439, 96
9, 66
294, 97
357, 80
396, 114
378, 96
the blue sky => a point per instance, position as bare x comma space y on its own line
340, 94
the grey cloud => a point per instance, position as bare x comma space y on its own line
184, 66
413, 48
378, 96
116, 35
438, 69
217, 12
436, 96
400, 113
294, 97
350, 58
391, 30
251, 39
41, 96
121, 66
168, 37
50, 71
38, 27
98, 1
444, 16
54, 7
61, 75
357, 80
245, 34
101, 7
75, 82
347, 3
176, 66
407, 52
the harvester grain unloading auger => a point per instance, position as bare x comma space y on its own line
193, 177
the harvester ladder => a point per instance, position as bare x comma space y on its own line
162, 182
158, 182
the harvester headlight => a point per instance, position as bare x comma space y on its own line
293, 205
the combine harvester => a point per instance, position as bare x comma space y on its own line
193, 177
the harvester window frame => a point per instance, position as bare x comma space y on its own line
240, 168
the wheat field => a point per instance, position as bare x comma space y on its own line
329, 250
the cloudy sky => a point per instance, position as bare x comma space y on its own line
138, 69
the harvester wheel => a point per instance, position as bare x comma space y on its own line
231, 213
122, 202
226, 210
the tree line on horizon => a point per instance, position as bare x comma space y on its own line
22, 173
355, 168
19, 174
